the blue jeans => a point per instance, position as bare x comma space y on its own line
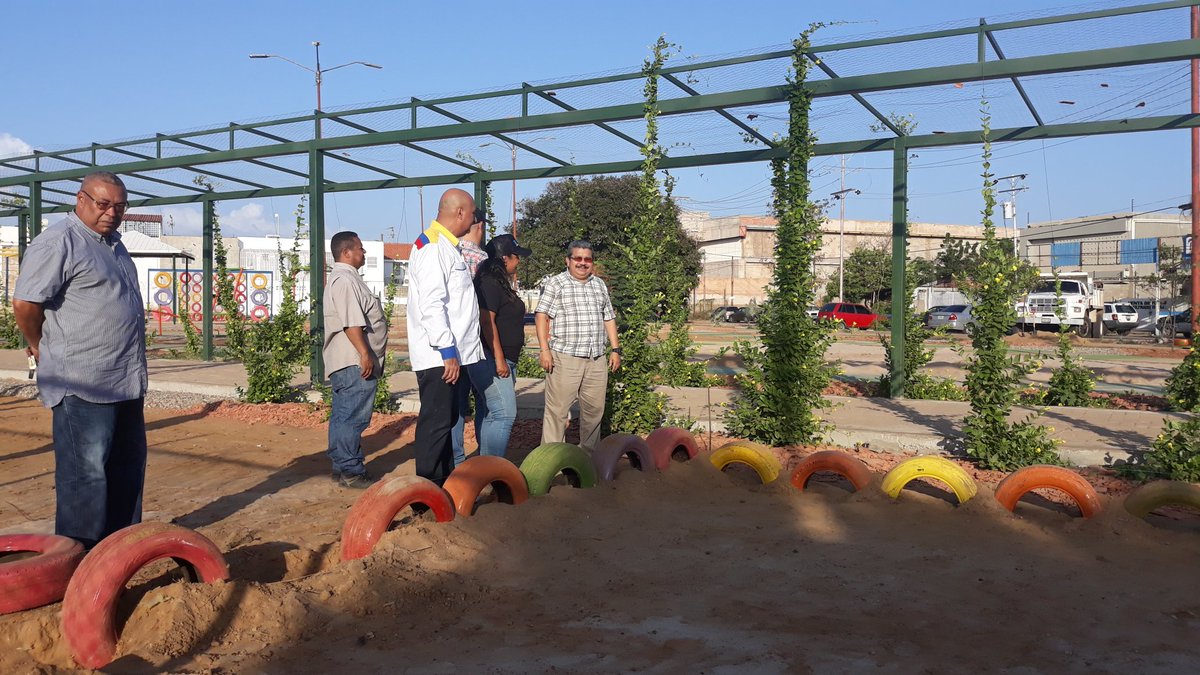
495, 408
353, 403
99, 467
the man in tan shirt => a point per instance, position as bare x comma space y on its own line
355, 342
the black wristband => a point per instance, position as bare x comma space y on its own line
616, 350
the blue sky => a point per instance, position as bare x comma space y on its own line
82, 72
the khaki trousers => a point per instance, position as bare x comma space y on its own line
575, 378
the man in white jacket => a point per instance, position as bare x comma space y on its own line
443, 329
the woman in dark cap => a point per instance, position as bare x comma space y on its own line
502, 318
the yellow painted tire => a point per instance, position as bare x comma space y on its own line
162, 280
259, 281
1150, 496
757, 457
930, 466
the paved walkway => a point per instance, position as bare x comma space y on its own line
1090, 436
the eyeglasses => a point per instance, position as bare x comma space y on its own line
582, 259
104, 204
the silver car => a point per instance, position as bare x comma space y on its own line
953, 317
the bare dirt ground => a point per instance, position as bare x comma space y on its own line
688, 570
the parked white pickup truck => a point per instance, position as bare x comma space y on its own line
1082, 304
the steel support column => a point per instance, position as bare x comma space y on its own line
899, 263
316, 261
206, 284
35, 209
480, 192
1195, 285
22, 235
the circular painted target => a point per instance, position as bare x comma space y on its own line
162, 296
184, 277
162, 280
259, 281
258, 297
259, 312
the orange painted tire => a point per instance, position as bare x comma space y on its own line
612, 448
1016, 484
668, 442
469, 478
375, 510
844, 465
89, 607
42, 579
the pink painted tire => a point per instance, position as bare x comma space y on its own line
847, 466
89, 607
374, 511
669, 442
612, 448
469, 478
42, 579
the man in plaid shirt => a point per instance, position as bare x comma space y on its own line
574, 315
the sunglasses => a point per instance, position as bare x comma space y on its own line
104, 204
582, 259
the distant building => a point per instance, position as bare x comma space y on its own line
738, 252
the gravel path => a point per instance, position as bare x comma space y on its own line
173, 400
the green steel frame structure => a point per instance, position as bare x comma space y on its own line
712, 105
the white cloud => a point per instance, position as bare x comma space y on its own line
248, 220
11, 146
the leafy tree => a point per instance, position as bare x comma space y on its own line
958, 262
866, 276
596, 209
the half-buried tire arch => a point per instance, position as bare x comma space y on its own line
469, 478
375, 510
849, 467
930, 466
611, 449
754, 455
671, 443
550, 459
1018, 483
42, 579
89, 607
1150, 496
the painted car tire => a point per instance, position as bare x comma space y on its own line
469, 478
548, 460
667, 442
612, 448
162, 280
89, 606
375, 510
930, 466
848, 466
42, 579
1017, 484
259, 281
1150, 496
259, 296
758, 457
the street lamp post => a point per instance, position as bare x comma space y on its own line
840, 196
318, 71
513, 149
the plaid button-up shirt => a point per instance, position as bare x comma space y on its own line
473, 255
578, 310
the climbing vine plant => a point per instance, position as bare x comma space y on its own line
993, 376
633, 405
781, 391
235, 321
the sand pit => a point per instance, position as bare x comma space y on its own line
683, 571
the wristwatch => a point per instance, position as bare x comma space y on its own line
616, 350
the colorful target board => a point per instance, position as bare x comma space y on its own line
253, 290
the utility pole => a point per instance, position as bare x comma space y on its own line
1013, 190
421, 200
840, 195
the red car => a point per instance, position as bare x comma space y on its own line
849, 314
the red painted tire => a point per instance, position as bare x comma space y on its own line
42, 579
374, 511
89, 607
667, 442
845, 465
612, 448
469, 478
1016, 484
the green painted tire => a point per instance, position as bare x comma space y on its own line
550, 459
